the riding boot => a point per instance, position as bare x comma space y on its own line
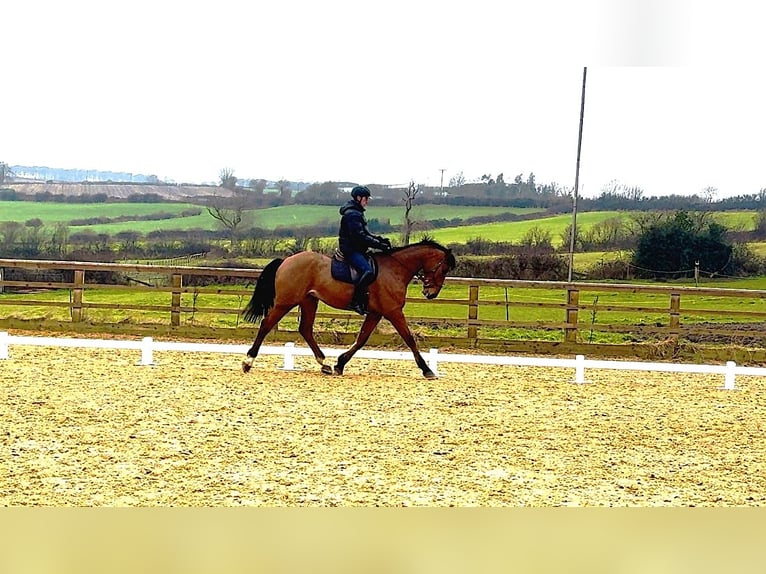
360, 298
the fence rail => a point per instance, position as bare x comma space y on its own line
650, 321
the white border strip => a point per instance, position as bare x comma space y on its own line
289, 351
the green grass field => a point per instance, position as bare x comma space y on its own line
513, 231
52, 212
297, 215
270, 218
303, 215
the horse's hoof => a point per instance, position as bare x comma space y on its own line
338, 372
246, 367
326, 370
430, 375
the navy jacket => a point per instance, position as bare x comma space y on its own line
353, 234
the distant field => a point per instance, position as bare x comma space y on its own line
758, 248
303, 215
270, 218
292, 215
52, 212
513, 231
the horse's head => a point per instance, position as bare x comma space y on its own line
436, 265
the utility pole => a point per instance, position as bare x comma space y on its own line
441, 183
573, 231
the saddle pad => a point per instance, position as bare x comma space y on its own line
342, 271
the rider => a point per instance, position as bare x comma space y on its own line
354, 239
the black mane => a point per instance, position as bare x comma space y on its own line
449, 257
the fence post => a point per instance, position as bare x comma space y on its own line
573, 302
175, 300
79, 279
675, 313
473, 311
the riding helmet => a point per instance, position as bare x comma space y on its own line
360, 191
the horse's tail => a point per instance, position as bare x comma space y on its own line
263, 294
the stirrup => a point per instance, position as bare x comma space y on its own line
358, 303
358, 307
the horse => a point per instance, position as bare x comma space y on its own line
304, 279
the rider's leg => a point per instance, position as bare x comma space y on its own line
359, 299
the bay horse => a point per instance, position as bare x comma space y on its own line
304, 279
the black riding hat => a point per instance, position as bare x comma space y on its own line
360, 191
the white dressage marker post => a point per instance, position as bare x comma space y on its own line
729, 375
289, 361
147, 357
4, 345
433, 361
580, 370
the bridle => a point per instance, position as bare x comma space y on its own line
421, 275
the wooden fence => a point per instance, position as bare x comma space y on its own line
540, 317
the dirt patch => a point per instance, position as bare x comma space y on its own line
94, 428
742, 334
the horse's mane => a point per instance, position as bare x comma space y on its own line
427, 242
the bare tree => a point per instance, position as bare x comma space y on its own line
457, 180
59, 241
285, 192
228, 211
537, 237
409, 198
10, 234
639, 223
229, 205
5, 172
709, 194
257, 185
227, 179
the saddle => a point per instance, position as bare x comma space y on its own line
342, 270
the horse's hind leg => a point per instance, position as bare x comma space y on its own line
306, 329
268, 323
370, 322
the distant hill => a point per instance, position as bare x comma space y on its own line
56, 174
25, 173
175, 192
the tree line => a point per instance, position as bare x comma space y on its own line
661, 245
671, 234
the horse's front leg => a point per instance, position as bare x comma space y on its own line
400, 324
368, 326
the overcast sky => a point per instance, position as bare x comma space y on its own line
389, 92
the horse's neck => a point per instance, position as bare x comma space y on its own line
411, 259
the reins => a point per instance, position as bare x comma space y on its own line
422, 272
